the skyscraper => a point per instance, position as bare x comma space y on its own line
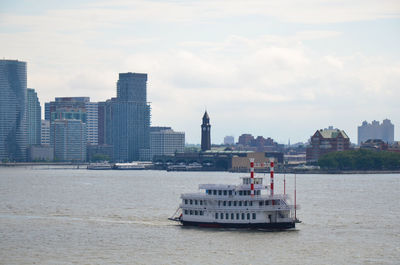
33, 115
68, 139
130, 117
13, 129
92, 123
205, 133
68, 120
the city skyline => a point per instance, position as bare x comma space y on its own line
277, 70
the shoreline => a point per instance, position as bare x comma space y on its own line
280, 171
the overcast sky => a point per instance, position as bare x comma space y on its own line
280, 69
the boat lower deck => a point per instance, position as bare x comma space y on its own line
268, 226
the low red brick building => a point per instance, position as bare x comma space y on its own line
325, 141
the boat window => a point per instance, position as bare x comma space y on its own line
186, 211
248, 192
261, 203
277, 202
242, 216
219, 203
254, 215
216, 215
195, 212
185, 201
220, 192
191, 201
237, 216
224, 203
251, 203
195, 202
201, 212
222, 216
232, 216
234, 203
240, 203
191, 212
230, 193
227, 216
266, 202
229, 203
225, 192
245, 203
214, 192
201, 202
240, 193
259, 192
248, 216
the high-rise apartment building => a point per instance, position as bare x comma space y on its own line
45, 132
13, 127
66, 115
68, 138
33, 117
166, 142
79, 108
375, 130
128, 117
92, 123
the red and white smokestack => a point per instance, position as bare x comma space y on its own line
252, 176
272, 177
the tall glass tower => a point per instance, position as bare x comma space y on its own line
130, 115
13, 129
33, 117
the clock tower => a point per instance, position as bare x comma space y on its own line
205, 133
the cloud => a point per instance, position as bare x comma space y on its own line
267, 84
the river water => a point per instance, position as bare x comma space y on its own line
78, 216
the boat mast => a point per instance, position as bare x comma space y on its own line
252, 176
272, 176
272, 179
284, 184
295, 197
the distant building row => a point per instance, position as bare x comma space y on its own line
75, 128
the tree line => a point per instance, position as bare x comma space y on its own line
360, 159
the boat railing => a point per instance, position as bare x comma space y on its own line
199, 195
239, 208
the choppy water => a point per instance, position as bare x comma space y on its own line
66, 216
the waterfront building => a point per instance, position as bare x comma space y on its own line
45, 132
206, 133
78, 108
229, 140
101, 123
13, 127
375, 130
68, 119
325, 141
128, 118
91, 123
33, 117
166, 142
68, 138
